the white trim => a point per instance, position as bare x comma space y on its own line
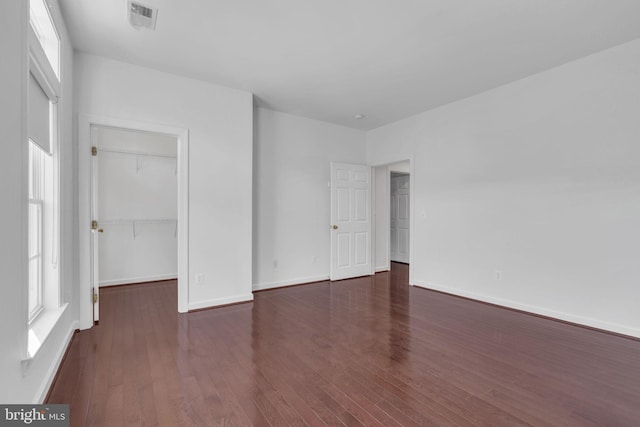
131, 280
289, 282
387, 196
580, 320
45, 75
23, 325
374, 219
383, 269
412, 218
40, 329
41, 394
183, 221
85, 121
211, 303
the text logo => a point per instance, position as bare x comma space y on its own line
34, 415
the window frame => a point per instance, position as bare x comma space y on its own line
49, 289
36, 29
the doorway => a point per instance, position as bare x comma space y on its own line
130, 222
399, 217
392, 214
135, 202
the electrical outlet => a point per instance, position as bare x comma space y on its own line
275, 264
199, 279
498, 275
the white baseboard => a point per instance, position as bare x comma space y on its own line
220, 301
288, 282
568, 317
126, 281
41, 394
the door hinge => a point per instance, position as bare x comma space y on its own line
94, 225
95, 298
94, 151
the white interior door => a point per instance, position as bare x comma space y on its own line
96, 230
399, 215
350, 221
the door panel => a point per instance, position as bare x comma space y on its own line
343, 199
344, 248
361, 248
403, 243
350, 221
362, 205
403, 207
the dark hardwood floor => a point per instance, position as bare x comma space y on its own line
368, 351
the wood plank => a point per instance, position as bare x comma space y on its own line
367, 351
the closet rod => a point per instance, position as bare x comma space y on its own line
135, 153
134, 222
138, 221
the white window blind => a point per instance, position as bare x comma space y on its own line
39, 112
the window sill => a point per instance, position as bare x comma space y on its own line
40, 329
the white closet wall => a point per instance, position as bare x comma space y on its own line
137, 206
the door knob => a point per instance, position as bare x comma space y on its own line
335, 227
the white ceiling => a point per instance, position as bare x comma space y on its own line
333, 59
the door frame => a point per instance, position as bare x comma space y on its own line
412, 216
85, 122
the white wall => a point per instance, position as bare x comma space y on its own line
133, 191
291, 213
539, 180
30, 385
219, 121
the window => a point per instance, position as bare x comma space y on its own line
42, 186
46, 33
36, 207
44, 302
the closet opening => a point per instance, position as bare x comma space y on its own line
134, 208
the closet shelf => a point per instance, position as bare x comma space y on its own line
135, 222
138, 154
135, 153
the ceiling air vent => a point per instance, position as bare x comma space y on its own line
141, 16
